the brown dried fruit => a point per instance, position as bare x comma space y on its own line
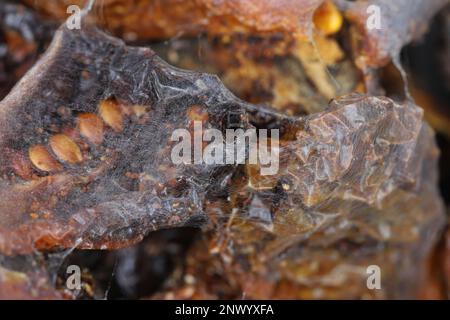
356, 181
291, 76
91, 127
405, 20
111, 113
23, 37
169, 18
33, 285
41, 159
402, 21
66, 149
21, 165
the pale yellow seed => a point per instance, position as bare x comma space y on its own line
42, 159
91, 127
328, 19
65, 149
139, 110
112, 114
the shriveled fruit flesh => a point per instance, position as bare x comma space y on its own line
203, 277
23, 36
384, 27
251, 46
130, 273
20, 286
362, 171
294, 77
151, 19
60, 189
22, 278
338, 271
314, 237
